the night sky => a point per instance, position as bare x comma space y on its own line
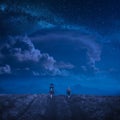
73, 43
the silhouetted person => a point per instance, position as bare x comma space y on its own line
68, 92
51, 90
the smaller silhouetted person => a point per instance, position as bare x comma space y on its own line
51, 90
68, 92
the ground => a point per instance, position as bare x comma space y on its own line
42, 107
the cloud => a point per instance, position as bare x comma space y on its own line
66, 65
25, 50
26, 18
86, 41
36, 73
93, 51
84, 68
21, 51
5, 69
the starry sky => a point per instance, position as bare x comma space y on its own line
73, 40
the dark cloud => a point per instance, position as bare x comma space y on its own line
82, 40
27, 58
24, 50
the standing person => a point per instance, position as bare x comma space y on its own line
68, 92
51, 90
